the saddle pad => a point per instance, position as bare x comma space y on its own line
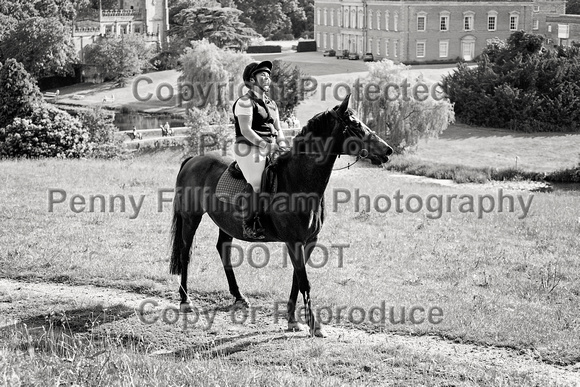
227, 187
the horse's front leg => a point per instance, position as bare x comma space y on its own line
299, 259
224, 248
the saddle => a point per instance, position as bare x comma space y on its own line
232, 181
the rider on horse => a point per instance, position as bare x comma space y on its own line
257, 125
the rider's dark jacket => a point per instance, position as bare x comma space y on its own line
262, 121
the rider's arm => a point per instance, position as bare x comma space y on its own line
280, 139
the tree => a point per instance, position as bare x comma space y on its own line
286, 87
119, 57
522, 86
64, 10
398, 119
19, 95
573, 7
303, 19
268, 17
210, 71
219, 26
43, 45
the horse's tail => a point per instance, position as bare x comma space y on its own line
177, 245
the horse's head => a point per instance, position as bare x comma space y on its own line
355, 138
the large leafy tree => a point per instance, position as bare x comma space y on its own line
573, 7
205, 67
43, 45
219, 26
119, 57
401, 120
64, 10
19, 95
268, 17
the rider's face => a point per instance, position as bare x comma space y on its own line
262, 79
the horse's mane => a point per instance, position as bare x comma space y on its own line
314, 125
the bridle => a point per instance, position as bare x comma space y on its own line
349, 132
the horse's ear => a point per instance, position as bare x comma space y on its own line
344, 105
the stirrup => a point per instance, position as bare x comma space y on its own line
252, 232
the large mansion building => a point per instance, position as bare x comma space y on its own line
149, 18
425, 30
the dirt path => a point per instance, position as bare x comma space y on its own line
117, 311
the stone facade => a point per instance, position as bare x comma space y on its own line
425, 31
563, 29
146, 17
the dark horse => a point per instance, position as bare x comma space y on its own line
303, 172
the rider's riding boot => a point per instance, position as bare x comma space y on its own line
251, 226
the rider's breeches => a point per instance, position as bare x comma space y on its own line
251, 162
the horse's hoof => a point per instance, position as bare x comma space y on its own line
317, 331
185, 307
241, 303
295, 327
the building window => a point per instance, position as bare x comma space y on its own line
491, 20
332, 41
444, 22
352, 19
387, 14
325, 40
360, 19
513, 21
443, 48
536, 8
332, 17
420, 49
387, 48
396, 22
549, 28
318, 16
536, 24
338, 18
378, 20
395, 47
421, 21
370, 18
137, 29
378, 46
318, 42
468, 21
370, 46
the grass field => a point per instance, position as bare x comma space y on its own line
506, 278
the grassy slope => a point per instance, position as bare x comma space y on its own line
500, 280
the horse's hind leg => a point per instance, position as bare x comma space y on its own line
187, 233
224, 248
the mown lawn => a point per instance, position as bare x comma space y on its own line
505, 278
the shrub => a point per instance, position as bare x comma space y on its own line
210, 129
47, 132
520, 86
102, 134
19, 95
99, 124
166, 60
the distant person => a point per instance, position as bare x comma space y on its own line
136, 134
163, 131
168, 130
